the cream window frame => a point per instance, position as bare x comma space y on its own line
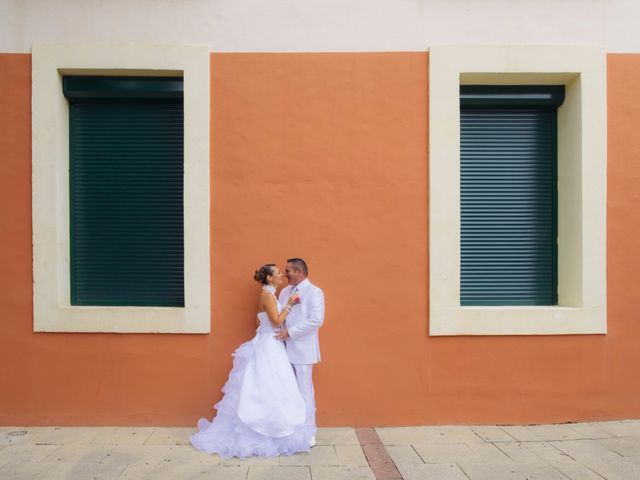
50, 186
582, 169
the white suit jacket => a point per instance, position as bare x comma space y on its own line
303, 322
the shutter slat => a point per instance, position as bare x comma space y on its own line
508, 205
126, 175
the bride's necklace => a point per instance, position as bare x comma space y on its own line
269, 288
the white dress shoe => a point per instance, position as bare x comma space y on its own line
312, 443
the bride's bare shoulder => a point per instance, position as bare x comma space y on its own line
265, 295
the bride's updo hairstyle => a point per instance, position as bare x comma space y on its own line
264, 272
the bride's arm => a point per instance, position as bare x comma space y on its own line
271, 307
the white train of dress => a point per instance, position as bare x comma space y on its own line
262, 412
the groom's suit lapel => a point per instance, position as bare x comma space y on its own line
298, 310
303, 286
303, 290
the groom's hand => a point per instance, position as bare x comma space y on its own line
282, 334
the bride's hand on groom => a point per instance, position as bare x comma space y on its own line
293, 299
282, 334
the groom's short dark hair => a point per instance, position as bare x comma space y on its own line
300, 264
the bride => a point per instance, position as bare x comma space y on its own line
262, 412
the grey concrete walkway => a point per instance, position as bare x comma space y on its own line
583, 451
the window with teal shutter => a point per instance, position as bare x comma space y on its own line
126, 190
508, 188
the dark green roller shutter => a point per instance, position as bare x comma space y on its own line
126, 191
508, 188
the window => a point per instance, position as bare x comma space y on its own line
508, 194
580, 215
126, 190
83, 279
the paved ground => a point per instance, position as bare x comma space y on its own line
580, 451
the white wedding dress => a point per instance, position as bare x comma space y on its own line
262, 412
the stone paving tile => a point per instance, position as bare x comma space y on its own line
627, 446
58, 435
543, 433
492, 433
181, 470
514, 471
341, 473
380, 462
251, 461
577, 471
351, 456
404, 455
598, 458
25, 453
377, 455
13, 435
7, 440
66, 462
319, 455
133, 453
547, 452
541, 453
461, 452
620, 428
122, 435
368, 436
587, 452
22, 470
449, 453
151, 461
336, 436
453, 434
163, 461
589, 430
170, 436
66, 435
160, 453
278, 473
621, 470
435, 471
78, 453
422, 435
401, 436
521, 452
212, 473
80, 470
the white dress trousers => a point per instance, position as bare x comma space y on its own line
303, 346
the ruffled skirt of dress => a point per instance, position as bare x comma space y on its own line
256, 377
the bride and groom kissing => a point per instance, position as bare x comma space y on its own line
268, 407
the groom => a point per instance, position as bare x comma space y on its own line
301, 332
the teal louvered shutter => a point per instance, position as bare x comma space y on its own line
508, 189
126, 191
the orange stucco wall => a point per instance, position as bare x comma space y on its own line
322, 156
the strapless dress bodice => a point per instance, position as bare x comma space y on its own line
265, 324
